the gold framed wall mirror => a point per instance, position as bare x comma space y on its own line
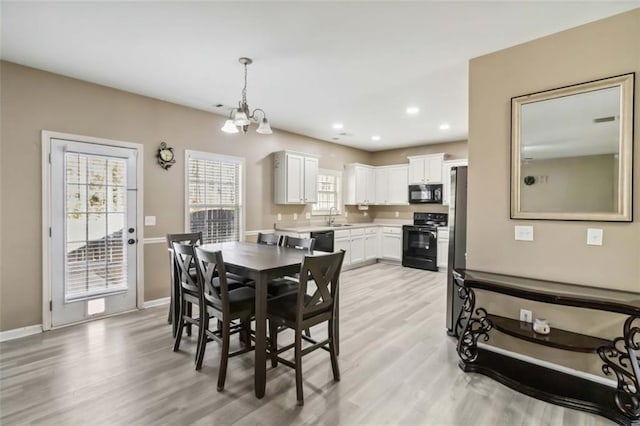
572, 152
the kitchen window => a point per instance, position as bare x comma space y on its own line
215, 196
329, 192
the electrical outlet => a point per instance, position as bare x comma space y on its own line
346, 214
365, 213
524, 233
397, 214
149, 221
594, 236
279, 217
295, 216
525, 315
307, 215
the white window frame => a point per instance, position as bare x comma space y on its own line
201, 155
339, 184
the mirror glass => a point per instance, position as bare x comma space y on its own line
572, 152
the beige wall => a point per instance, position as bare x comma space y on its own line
600, 49
596, 50
33, 100
571, 184
453, 150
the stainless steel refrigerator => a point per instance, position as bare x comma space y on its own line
457, 242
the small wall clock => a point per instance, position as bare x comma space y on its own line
166, 157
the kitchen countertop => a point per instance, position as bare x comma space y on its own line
314, 228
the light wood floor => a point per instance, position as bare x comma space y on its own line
397, 364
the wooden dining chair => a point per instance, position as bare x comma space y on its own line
188, 238
286, 285
189, 290
219, 301
269, 239
299, 243
301, 310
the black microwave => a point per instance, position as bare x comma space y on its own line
419, 194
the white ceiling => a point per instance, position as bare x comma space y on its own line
315, 63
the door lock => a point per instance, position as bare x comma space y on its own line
132, 230
131, 241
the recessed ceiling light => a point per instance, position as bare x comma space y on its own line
338, 126
413, 110
375, 138
444, 126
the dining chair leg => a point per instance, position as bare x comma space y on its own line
298, 362
179, 327
190, 314
224, 356
202, 340
170, 315
332, 351
273, 338
307, 332
245, 334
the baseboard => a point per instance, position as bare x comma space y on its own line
550, 365
156, 302
16, 333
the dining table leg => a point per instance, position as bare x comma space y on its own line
260, 373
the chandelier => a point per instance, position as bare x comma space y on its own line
241, 117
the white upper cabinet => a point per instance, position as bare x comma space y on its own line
310, 179
359, 184
392, 185
446, 177
425, 168
295, 178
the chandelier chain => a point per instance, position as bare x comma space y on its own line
244, 89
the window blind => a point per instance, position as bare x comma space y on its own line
95, 204
214, 198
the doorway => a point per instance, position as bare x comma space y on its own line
92, 251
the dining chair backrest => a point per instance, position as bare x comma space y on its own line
211, 267
324, 271
189, 238
269, 239
299, 243
184, 257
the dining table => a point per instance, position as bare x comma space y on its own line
260, 263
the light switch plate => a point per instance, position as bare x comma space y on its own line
149, 221
279, 217
524, 233
397, 214
295, 216
365, 213
307, 215
594, 236
346, 213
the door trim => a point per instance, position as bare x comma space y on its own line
47, 135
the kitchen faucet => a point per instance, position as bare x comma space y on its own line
331, 218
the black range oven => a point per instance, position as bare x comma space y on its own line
420, 240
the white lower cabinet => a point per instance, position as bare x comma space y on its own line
357, 249
371, 244
342, 241
391, 243
443, 247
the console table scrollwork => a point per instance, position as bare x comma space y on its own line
621, 355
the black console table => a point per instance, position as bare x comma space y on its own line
621, 355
